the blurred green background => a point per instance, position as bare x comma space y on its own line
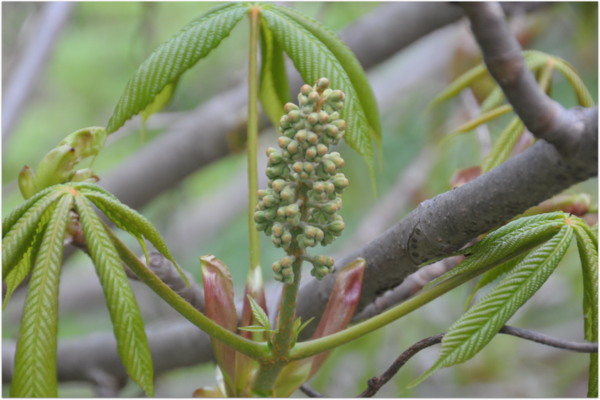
100, 49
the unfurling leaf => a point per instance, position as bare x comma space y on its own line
259, 314
220, 307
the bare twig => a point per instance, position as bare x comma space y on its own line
376, 383
310, 392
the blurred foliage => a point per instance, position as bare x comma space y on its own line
99, 51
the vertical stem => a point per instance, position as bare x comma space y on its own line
253, 137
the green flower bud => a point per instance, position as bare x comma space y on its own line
269, 200
337, 226
331, 207
275, 158
323, 117
286, 238
322, 149
305, 89
284, 121
277, 229
283, 141
312, 118
313, 97
261, 193
294, 115
319, 186
292, 147
340, 181
286, 262
322, 83
289, 107
312, 138
288, 194
340, 123
311, 153
329, 166
287, 275
259, 216
292, 210
329, 187
300, 136
297, 166
278, 185
276, 267
308, 167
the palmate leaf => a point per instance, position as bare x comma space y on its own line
496, 249
128, 326
587, 245
35, 358
17, 213
317, 52
23, 267
169, 61
18, 238
132, 222
274, 90
476, 328
493, 275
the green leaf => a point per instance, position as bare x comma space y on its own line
584, 97
170, 60
128, 326
23, 267
588, 253
35, 358
274, 89
496, 249
476, 328
11, 219
259, 314
20, 235
503, 147
493, 100
317, 52
220, 307
459, 84
131, 221
492, 275
482, 119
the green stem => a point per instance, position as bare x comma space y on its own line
253, 137
312, 347
282, 340
251, 349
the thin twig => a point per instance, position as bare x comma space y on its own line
309, 391
580, 347
376, 383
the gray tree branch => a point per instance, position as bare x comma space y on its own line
31, 62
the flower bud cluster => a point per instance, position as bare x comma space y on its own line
299, 208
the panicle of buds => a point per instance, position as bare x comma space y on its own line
299, 209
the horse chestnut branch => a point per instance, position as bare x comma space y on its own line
299, 209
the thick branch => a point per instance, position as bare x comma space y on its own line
447, 222
544, 117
